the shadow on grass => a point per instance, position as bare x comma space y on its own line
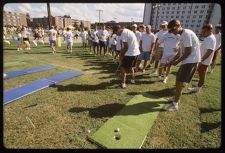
37, 52
206, 127
86, 87
159, 93
208, 110
109, 110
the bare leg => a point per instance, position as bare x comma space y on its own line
179, 88
161, 69
202, 77
123, 74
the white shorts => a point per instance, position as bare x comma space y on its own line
166, 58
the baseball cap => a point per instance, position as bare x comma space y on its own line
134, 25
164, 23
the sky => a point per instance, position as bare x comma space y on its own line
120, 12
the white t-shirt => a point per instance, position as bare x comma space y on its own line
119, 44
138, 35
94, 36
218, 40
103, 35
113, 39
159, 35
147, 40
84, 35
208, 43
69, 36
25, 34
170, 43
129, 37
189, 39
52, 34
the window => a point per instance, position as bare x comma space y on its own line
199, 21
184, 7
183, 11
173, 8
163, 8
168, 8
198, 25
172, 12
188, 17
202, 11
171, 16
195, 12
167, 12
203, 6
193, 21
194, 16
187, 21
189, 11
178, 12
177, 16
182, 17
162, 12
200, 16
192, 25
196, 7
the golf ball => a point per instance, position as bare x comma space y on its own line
117, 129
89, 131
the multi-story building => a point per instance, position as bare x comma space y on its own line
14, 18
191, 15
40, 22
58, 22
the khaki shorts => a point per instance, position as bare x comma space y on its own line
158, 54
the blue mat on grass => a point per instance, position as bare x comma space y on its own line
19, 92
27, 71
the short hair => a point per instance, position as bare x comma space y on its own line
116, 28
67, 28
208, 27
218, 26
172, 24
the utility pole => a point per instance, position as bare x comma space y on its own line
99, 16
49, 15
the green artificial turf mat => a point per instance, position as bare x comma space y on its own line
134, 121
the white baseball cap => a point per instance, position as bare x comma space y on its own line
134, 25
164, 23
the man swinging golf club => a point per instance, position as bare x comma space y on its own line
128, 54
189, 58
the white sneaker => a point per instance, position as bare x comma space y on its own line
194, 90
132, 81
143, 71
160, 78
18, 49
123, 85
171, 107
165, 80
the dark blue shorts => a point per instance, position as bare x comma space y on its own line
94, 43
144, 56
102, 43
52, 42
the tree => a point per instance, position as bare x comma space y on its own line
66, 16
82, 25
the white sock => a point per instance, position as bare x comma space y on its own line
175, 103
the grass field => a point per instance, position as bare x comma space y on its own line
63, 114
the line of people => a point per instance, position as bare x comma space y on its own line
169, 47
